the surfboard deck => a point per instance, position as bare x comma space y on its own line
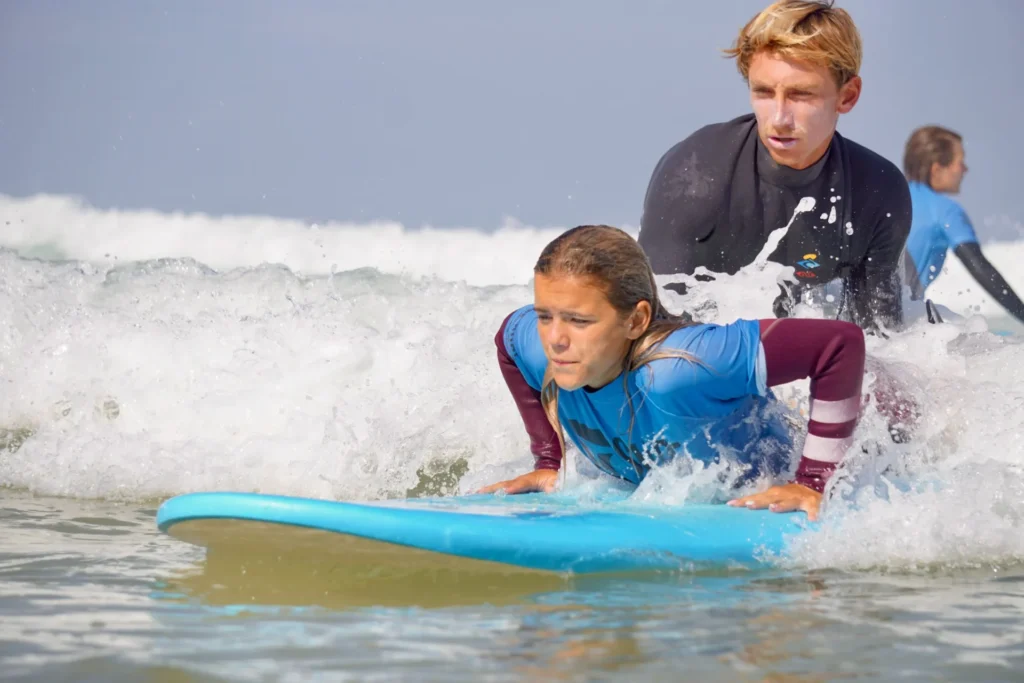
544, 532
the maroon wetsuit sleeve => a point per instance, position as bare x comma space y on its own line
831, 353
544, 443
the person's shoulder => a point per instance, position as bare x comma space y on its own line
871, 167
947, 203
711, 135
737, 127
686, 173
936, 203
521, 339
702, 353
704, 337
881, 193
525, 313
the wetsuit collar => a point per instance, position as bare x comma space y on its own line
783, 176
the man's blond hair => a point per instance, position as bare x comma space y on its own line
814, 32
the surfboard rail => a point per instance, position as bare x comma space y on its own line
532, 531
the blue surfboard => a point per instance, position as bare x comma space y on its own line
548, 532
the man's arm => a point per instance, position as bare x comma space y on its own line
877, 301
988, 277
876, 283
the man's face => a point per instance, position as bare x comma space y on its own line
797, 105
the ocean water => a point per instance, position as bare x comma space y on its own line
144, 355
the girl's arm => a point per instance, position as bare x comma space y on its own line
831, 353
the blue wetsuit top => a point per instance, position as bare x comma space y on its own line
939, 224
717, 406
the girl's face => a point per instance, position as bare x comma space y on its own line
585, 339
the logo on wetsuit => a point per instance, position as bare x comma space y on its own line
809, 263
600, 452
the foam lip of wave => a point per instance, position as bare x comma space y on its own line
65, 228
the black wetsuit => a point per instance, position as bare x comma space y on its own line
715, 198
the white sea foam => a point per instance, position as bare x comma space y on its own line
144, 355
64, 228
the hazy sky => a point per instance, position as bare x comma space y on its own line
451, 112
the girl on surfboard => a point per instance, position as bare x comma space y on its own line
597, 356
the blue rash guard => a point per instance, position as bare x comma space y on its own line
716, 407
938, 224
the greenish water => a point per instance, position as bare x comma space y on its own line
90, 590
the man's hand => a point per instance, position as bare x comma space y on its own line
785, 498
543, 481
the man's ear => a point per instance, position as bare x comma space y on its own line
849, 94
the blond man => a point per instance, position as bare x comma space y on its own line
781, 184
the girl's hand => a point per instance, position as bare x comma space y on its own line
785, 498
543, 481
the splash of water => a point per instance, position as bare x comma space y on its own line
805, 205
144, 377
